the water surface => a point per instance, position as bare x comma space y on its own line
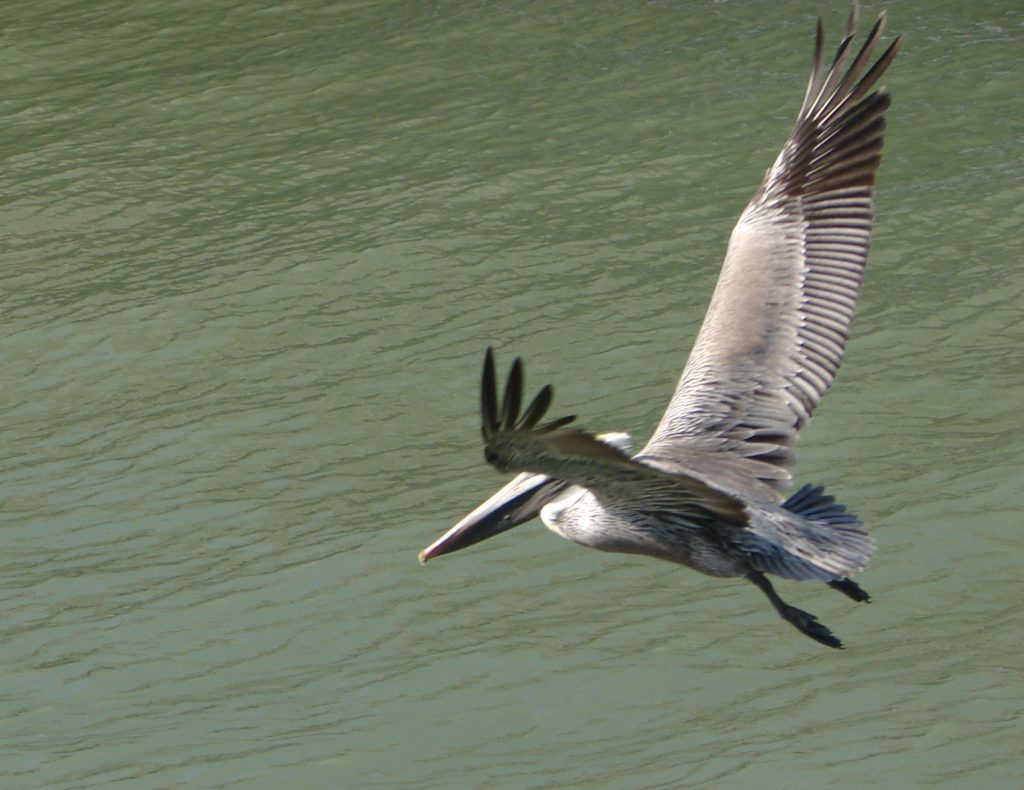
252, 256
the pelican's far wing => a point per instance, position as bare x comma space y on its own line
515, 442
777, 326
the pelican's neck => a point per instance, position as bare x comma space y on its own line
552, 514
555, 513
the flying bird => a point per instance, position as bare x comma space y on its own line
706, 491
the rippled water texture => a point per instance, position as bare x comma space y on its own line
252, 254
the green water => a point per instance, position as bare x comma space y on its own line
252, 254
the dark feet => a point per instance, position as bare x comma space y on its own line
850, 589
804, 622
807, 623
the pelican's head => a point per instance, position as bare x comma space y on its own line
519, 501
516, 503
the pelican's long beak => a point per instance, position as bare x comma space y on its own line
516, 503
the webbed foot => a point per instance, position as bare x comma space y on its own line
804, 622
850, 589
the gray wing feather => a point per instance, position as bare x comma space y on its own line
776, 329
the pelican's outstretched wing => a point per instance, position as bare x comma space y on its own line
514, 443
776, 330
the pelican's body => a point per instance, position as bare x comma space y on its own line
706, 490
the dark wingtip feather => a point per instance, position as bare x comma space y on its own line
489, 396
513, 399
877, 69
555, 424
538, 407
854, 18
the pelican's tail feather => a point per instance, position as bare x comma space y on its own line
812, 502
810, 537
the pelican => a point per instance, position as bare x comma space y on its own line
706, 491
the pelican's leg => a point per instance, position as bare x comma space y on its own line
850, 589
805, 622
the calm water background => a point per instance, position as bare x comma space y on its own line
252, 254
